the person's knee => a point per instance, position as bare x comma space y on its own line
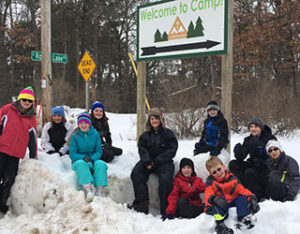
99, 164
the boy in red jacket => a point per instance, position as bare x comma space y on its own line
184, 200
223, 190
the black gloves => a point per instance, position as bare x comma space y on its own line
197, 147
51, 152
253, 204
218, 201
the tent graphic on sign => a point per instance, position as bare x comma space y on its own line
178, 31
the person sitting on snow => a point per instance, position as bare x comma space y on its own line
283, 179
253, 172
56, 133
223, 190
184, 200
85, 153
157, 147
100, 123
214, 136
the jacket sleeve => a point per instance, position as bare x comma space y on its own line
45, 138
202, 140
208, 194
293, 179
107, 136
64, 149
98, 149
199, 185
3, 119
73, 148
223, 137
143, 150
32, 143
170, 151
173, 198
243, 191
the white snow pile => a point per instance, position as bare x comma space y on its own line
45, 197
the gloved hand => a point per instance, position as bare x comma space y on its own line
214, 152
219, 201
51, 152
253, 204
87, 159
237, 149
197, 145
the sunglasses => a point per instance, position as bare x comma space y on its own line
271, 150
216, 171
26, 100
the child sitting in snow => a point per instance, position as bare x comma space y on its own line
283, 179
56, 132
85, 153
184, 200
223, 191
214, 136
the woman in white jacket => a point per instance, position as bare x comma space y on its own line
56, 133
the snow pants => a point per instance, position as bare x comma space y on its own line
9, 166
186, 209
109, 152
253, 179
140, 176
241, 204
88, 172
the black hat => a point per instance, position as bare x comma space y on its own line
258, 122
212, 105
187, 162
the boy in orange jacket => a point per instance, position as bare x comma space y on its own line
223, 190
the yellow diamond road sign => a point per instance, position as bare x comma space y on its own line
86, 66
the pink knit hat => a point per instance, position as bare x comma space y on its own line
27, 93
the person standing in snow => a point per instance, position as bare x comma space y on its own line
157, 147
56, 133
100, 123
214, 136
253, 172
184, 200
85, 153
283, 179
17, 132
223, 191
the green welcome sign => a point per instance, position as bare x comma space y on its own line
181, 28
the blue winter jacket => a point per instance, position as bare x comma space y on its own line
85, 144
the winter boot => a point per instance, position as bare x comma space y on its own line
89, 191
246, 222
99, 191
221, 228
142, 206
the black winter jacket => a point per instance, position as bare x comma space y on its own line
286, 170
104, 132
256, 148
157, 147
220, 122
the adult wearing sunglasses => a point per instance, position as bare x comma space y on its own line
283, 179
253, 172
17, 132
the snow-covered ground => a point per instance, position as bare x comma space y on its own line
44, 198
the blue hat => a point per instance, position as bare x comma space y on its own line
96, 105
58, 110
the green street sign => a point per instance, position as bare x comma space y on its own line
55, 57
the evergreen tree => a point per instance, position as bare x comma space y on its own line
199, 28
164, 36
191, 30
157, 36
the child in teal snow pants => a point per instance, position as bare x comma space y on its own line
85, 152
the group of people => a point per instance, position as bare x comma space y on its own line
260, 170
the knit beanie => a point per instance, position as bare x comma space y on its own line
58, 110
96, 105
275, 144
212, 105
84, 117
258, 122
26, 93
186, 162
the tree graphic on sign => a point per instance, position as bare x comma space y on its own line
164, 37
195, 31
157, 36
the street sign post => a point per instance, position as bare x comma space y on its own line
55, 57
177, 29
